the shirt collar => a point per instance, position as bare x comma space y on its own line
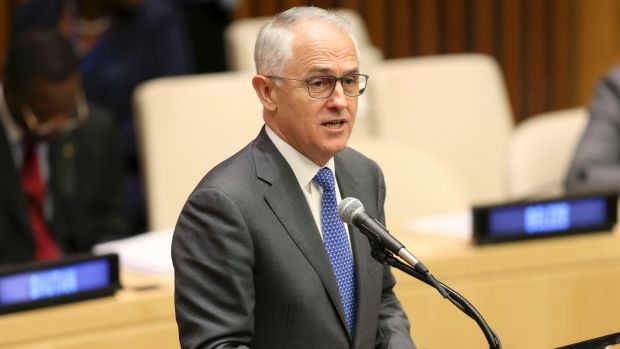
303, 168
14, 133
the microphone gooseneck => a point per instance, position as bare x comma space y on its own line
383, 244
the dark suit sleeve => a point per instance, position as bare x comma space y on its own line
111, 221
393, 326
213, 260
596, 162
86, 182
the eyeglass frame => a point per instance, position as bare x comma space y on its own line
335, 79
43, 130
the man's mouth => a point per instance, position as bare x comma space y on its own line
334, 124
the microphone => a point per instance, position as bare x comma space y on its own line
351, 211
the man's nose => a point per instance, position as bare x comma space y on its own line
338, 99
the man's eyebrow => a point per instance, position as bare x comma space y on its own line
321, 70
352, 71
329, 71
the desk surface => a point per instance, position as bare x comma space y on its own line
453, 257
534, 294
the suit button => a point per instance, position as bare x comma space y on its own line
68, 150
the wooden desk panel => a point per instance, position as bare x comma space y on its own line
537, 294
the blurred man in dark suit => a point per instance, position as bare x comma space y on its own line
120, 44
60, 167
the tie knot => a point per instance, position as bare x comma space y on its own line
325, 179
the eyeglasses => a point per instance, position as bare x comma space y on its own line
321, 87
48, 128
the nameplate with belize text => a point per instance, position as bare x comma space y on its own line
545, 218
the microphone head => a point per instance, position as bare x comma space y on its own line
349, 208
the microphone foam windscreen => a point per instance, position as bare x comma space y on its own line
349, 208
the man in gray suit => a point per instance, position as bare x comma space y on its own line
596, 162
260, 261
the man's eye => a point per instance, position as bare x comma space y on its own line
317, 83
349, 80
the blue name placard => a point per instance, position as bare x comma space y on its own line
553, 217
37, 285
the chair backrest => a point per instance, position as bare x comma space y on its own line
239, 40
452, 106
418, 184
240, 36
541, 149
186, 126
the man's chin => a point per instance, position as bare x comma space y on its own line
336, 147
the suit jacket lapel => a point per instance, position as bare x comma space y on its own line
349, 187
297, 219
10, 187
62, 184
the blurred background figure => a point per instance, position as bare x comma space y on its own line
596, 162
206, 22
120, 43
60, 166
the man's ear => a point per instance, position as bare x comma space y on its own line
265, 89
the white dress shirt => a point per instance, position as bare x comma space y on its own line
305, 170
14, 136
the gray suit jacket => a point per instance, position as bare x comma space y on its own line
251, 270
596, 162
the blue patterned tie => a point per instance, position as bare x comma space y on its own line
337, 245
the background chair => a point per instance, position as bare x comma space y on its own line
455, 107
452, 109
418, 184
541, 149
185, 126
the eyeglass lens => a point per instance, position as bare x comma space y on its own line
323, 86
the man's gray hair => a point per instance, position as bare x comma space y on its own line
274, 43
